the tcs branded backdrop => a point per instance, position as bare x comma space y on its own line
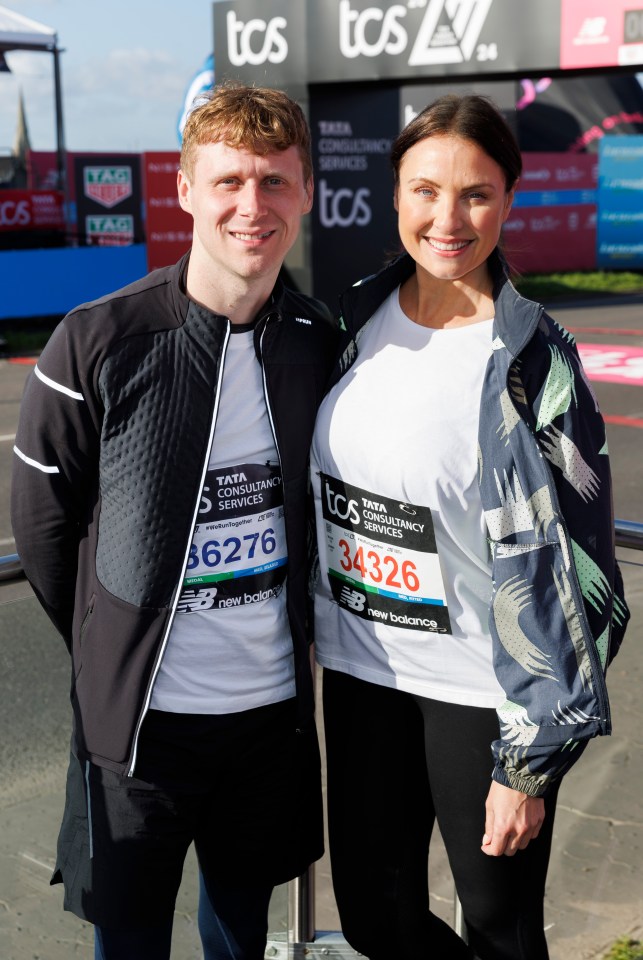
328, 41
108, 199
346, 60
353, 216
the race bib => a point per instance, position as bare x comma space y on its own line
238, 553
383, 563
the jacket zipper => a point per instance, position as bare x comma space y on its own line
177, 592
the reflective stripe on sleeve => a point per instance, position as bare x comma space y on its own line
57, 386
34, 463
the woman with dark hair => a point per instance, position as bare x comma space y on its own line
468, 600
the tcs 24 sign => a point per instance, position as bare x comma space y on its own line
333, 40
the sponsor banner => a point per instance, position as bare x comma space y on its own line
620, 211
612, 364
27, 210
168, 228
552, 225
108, 189
107, 185
551, 239
599, 34
334, 40
261, 44
109, 230
556, 172
354, 226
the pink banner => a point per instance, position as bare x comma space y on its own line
551, 239
612, 364
594, 33
558, 171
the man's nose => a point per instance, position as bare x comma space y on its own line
251, 202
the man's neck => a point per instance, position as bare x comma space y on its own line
237, 298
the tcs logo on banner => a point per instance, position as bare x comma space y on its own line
448, 32
343, 207
14, 213
256, 41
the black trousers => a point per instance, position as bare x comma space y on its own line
396, 764
245, 787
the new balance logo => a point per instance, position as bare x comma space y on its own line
193, 600
353, 599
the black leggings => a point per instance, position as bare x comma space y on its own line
396, 763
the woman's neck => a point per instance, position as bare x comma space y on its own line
444, 304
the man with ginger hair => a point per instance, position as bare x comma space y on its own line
159, 506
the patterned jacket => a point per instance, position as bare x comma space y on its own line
557, 612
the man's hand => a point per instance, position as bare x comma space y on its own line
512, 820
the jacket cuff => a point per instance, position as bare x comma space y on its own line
535, 770
531, 785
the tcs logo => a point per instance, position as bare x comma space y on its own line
273, 46
340, 507
353, 25
343, 207
448, 31
14, 214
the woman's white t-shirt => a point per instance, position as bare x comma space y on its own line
394, 454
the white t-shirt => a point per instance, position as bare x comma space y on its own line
405, 569
230, 646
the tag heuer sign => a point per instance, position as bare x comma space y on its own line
110, 231
107, 185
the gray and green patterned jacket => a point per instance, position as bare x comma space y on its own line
557, 612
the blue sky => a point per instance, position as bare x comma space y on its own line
125, 71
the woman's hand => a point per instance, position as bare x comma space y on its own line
512, 820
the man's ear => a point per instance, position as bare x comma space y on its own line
183, 190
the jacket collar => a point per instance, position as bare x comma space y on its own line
515, 317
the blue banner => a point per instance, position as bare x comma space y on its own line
553, 198
619, 229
